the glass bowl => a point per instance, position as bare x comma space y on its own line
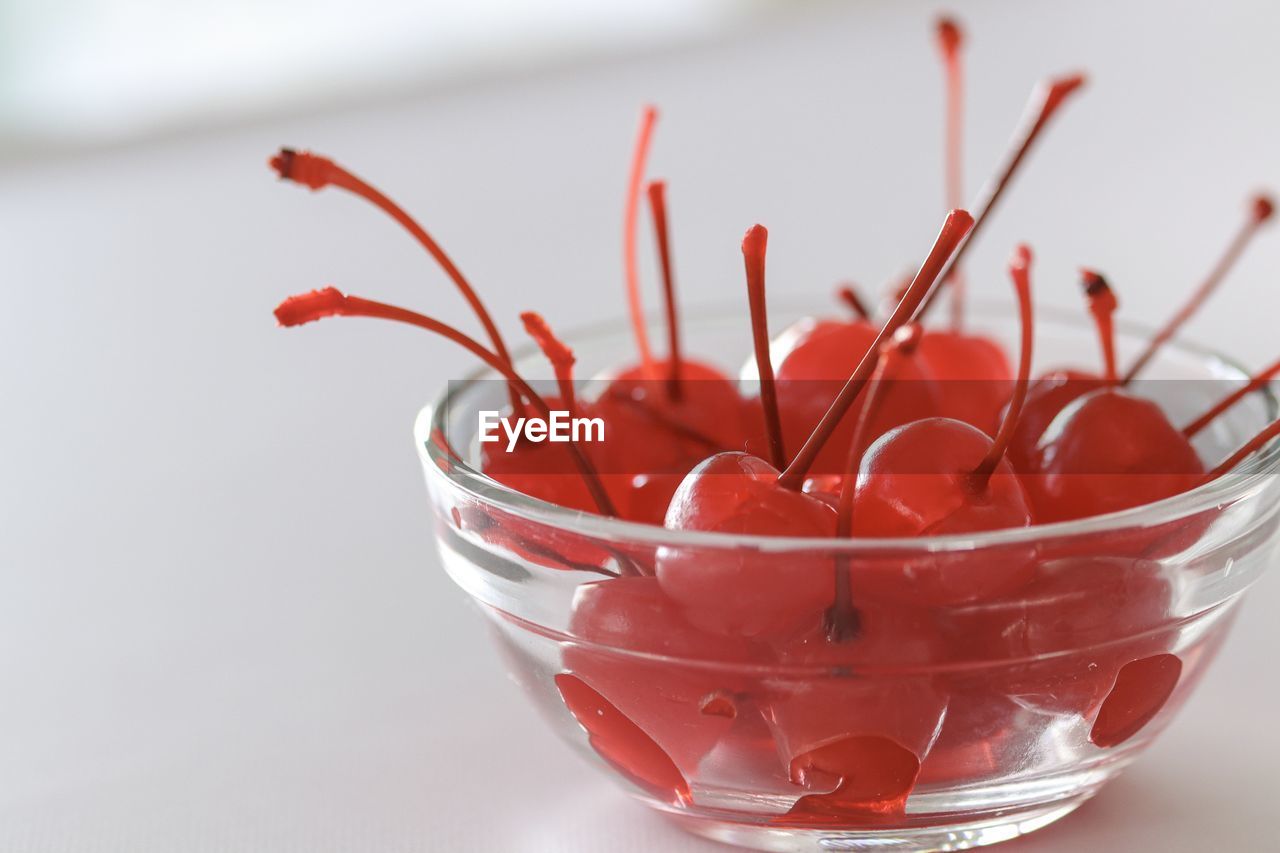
949, 721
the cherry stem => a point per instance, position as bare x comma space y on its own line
1260, 210
1102, 305
1045, 102
561, 357
842, 621
754, 245
954, 229
1020, 272
1248, 448
630, 224
902, 345
1259, 380
848, 294
317, 172
330, 302
658, 205
950, 41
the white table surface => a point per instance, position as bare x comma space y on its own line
223, 625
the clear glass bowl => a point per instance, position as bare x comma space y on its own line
941, 726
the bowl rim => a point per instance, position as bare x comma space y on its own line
1247, 480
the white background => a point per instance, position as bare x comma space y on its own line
222, 622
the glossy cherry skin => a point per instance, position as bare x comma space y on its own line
972, 375
708, 403
1108, 451
855, 731
813, 359
656, 440
743, 591
915, 481
655, 667
1046, 397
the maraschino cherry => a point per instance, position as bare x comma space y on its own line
940, 476
1055, 390
748, 592
1107, 450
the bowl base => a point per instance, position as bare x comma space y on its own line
952, 836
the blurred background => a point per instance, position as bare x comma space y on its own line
222, 622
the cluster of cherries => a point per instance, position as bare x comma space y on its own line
843, 427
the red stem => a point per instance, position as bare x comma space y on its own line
842, 617
561, 357
317, 172
950, 41
954, 229
330, 302
1260, 210
1245, 450
1020, 272
1045, 102
1258, 381
847, 294
902, 345
753, 251
630, 223
658, 205
1102, 305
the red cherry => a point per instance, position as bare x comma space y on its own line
1057, 389
939, 476
657, 669
738, 493
1105, 452
971, 374
893, 354
1260, 210
655, 441
1046, 398
744, 591
814, 358
952, 234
